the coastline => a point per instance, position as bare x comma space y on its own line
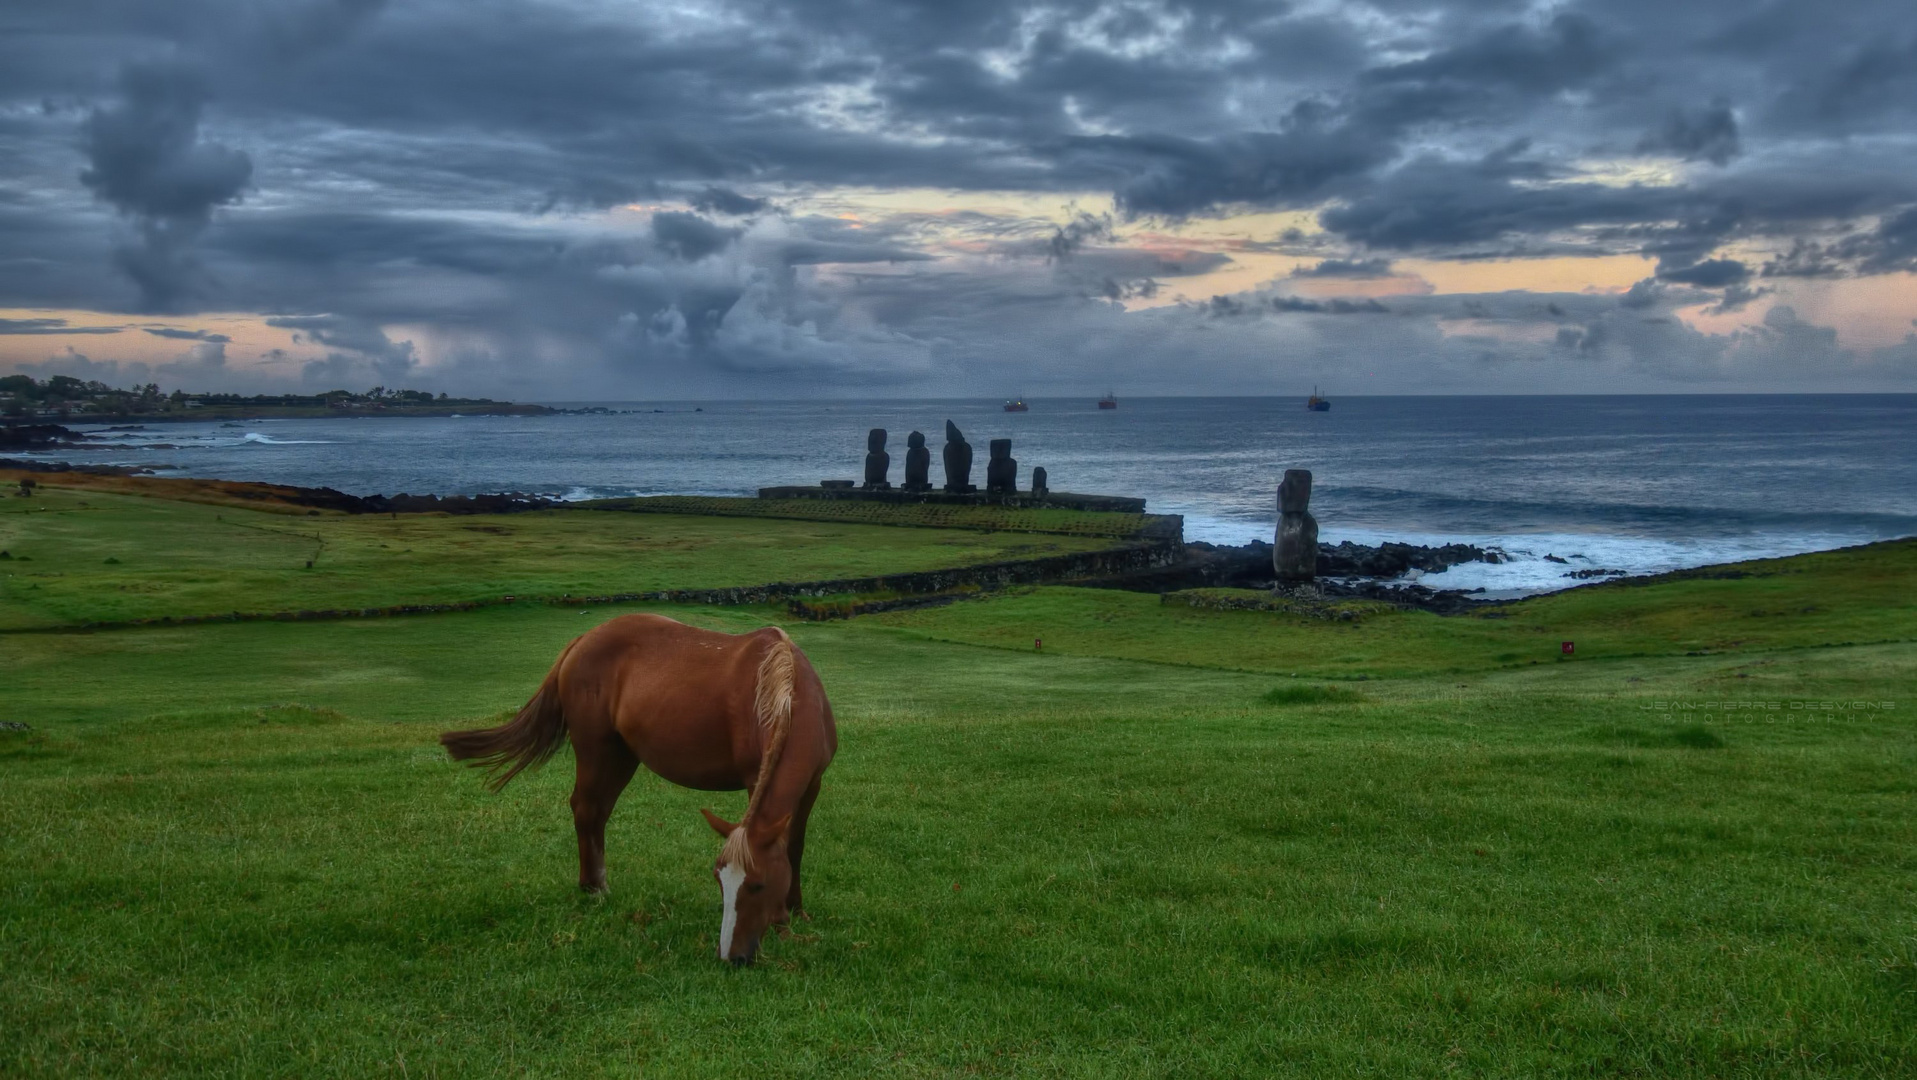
291, 412
1389, 572
1578, 490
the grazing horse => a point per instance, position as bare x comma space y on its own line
705, 710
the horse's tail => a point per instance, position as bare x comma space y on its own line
772, 703
525, 741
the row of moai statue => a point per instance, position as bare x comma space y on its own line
1294, 551
1001, 470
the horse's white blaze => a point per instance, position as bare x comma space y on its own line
730, 878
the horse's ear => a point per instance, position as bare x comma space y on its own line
719, 825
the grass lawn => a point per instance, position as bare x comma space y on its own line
1855, 596
236, 849
81, 556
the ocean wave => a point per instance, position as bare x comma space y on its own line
1546, 562
1549, 561
268, 440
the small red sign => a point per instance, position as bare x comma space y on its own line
1567, 648
1038, 644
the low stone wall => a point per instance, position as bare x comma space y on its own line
1059, 500
1047, 570
909, 590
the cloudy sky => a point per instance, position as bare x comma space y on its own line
603, 199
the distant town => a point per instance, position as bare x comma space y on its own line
63, 396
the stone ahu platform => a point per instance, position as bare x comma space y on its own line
1056, 499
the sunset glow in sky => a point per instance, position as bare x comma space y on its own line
609, 200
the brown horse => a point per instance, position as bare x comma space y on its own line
705, 710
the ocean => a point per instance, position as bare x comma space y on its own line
1633, 483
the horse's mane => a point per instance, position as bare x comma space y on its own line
773, 705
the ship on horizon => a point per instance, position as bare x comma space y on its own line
1108, 402
1314, 403
1017, 404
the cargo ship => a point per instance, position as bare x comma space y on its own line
1017, 405
1316, 403
1108, 402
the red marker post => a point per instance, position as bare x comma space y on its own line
1567, 648
1038, 644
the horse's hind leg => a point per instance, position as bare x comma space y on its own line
604, 768
795, 849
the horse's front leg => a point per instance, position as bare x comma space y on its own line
795, 850
605, 767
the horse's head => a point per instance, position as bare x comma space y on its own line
754, 873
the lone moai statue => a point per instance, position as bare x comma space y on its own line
918, 463
877, 461
1001, 471
958, 461
1295, 554
1038, 481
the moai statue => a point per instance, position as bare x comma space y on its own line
1295, 553
1038, 481
877, 461
1001, 471
918, 463
958, 461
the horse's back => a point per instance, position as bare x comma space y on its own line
680, 698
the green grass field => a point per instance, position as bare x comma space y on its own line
87, 556
236, 849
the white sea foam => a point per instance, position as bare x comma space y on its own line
1542, 562
268, 440
1528, 570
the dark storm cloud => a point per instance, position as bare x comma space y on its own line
146, 158
1176, 177
187, 335
1710, 274
1346, 268
50, 326
718, 200
447, 166
356, 345
1709, 135
1565, 52
689, 236
1239, 306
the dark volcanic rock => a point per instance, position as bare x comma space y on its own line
1390, 560
37, 436
1250, 567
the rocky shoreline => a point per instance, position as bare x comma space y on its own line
1345, 570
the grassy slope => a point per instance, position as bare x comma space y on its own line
237, 849
179, 558
1860, 595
